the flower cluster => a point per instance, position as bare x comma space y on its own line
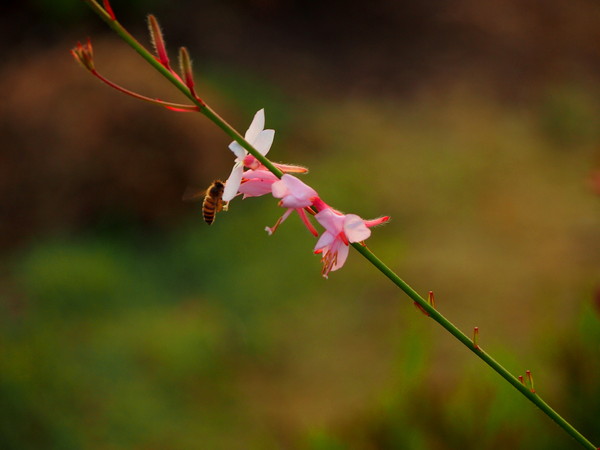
250, 178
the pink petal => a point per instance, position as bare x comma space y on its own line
255, 187
291, 201
298, 188
355, 228
331, 221
342, 255
261, 174
257, 125
297, 194
279, 189
326, 239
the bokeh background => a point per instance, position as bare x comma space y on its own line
127, 323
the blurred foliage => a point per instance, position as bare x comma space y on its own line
126, 322
570, 115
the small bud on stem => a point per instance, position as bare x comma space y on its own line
185, 65
109, 9
530, 381
84, 54
476, 338
158, 41
431, 299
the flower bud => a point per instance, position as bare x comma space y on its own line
84, 54
158, 41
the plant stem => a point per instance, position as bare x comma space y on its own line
203, 107
454, 331
364, 251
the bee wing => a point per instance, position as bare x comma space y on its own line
193, 194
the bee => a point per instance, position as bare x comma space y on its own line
213, 201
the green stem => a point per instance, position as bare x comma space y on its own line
467, 342
364, 251
203, 107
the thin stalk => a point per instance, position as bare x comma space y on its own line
364, 251
203, 107
467, 342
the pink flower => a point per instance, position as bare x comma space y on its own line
256, 183
294, 195
340, 231
260, 139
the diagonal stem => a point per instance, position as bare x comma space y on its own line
467, 342
203, 107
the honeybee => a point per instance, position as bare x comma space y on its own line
213, 201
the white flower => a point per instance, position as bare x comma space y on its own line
260, 139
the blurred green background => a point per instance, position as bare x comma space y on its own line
127, 323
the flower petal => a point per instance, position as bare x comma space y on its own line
279, 189
291, 201
342, 255
355, 228
255, 187
331, 221
233, 182
237, 150
326, 239
257, 125
263, 141
262, 174
299, 194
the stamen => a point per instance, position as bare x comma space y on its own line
307, 222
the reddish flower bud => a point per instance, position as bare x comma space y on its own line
84, 54
185, 66
158, 41
530, 381
431, 298
476, 338
109, 9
